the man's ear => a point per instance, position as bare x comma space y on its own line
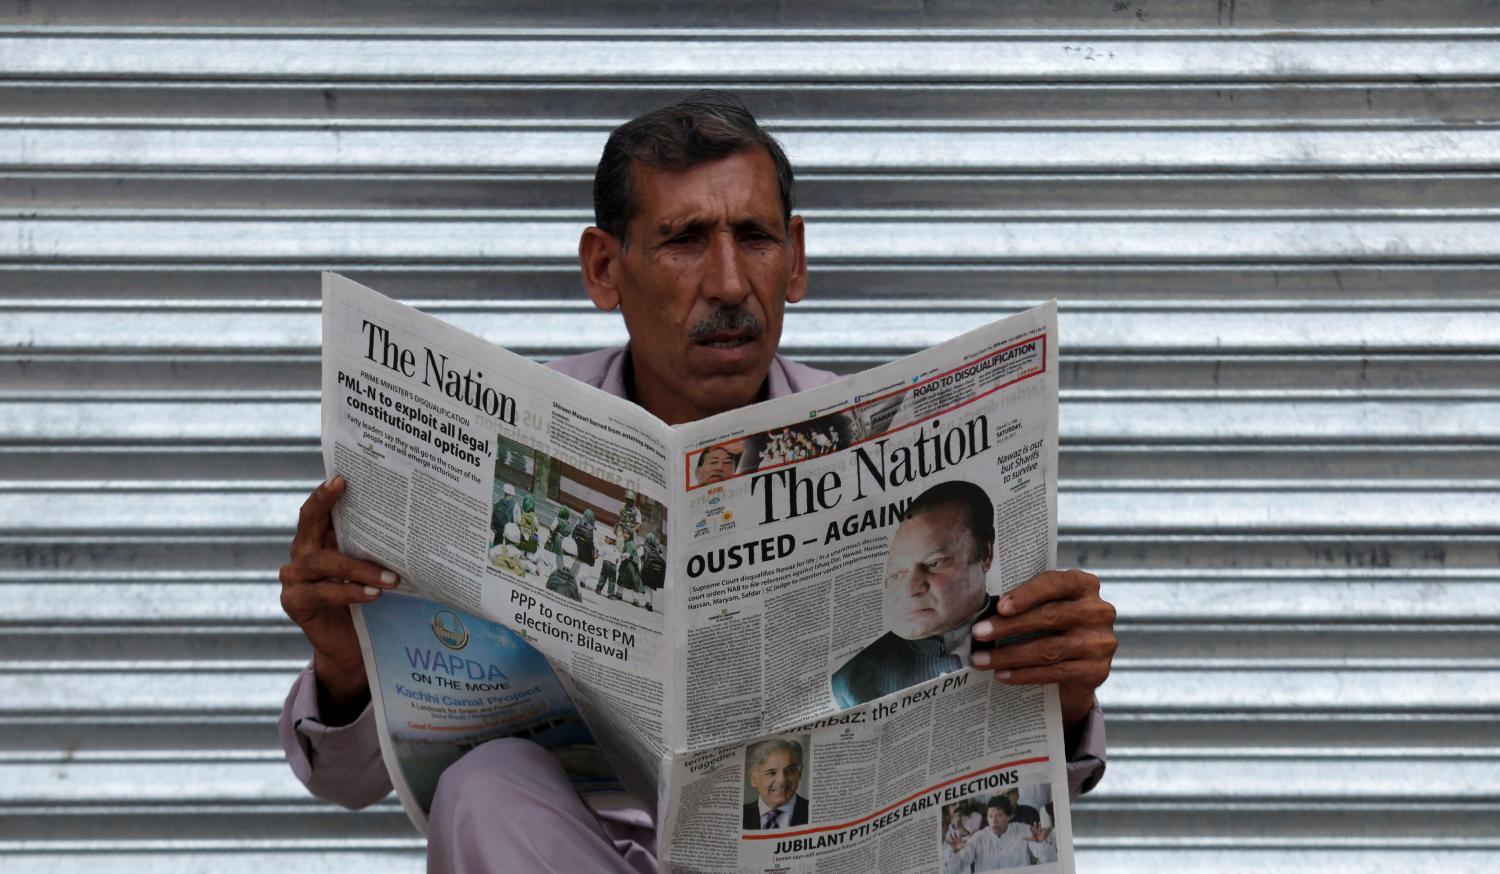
597, 253
796, 289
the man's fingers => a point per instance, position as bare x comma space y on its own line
315, 517
1049, 616
301, 602
1090, 673
1081, 644
1049, 586
326, 564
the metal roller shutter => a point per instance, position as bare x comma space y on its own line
1272, 227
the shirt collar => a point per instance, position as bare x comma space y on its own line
959, 641
615, 382
785, 808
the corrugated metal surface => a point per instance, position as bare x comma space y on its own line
1273, 228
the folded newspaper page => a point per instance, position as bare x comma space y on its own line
762, 618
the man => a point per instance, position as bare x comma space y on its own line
629, 521
1002, 844
696, 244
503, 514
934, 593
629, 571
653, 569
562, 530
583, 538
715, 464
774, 769
528, 526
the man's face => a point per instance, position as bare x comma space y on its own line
776, 778
717, 466
933, 581
999, 820
702, 282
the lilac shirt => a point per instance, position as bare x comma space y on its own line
342, 763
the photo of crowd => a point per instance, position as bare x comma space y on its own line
768, 449
1011, 829
798, 443
579, 536
830, 432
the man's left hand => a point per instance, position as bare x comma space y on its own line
1077, 653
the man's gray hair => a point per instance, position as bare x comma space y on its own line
768, 748
704, 127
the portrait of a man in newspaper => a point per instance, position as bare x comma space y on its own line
717, 463
773, 772
934, 592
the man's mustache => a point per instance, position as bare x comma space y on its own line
727, 320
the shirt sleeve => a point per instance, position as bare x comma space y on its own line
1086, 756
341, 763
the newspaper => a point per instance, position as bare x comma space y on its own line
761, 617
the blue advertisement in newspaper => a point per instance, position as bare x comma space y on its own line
450, 681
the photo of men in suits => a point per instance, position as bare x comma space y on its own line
773, 768
934, 593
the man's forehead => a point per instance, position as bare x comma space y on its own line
934, 530
743, 183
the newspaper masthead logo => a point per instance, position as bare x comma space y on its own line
449, 629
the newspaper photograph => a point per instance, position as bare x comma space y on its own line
762, 617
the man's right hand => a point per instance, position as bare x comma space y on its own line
317, 587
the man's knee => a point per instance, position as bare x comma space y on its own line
505, 764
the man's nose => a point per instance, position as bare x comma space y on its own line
725, 280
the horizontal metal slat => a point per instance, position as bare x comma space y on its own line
227, 856
1372, 596
1226, 418
262, 779
1002, 286
718, 55
687, 17
1175, 508
1204, 855
37, 144
147, 193
780, 105
151, 601
1228, 776
1285, 690
412, 240
185, 692
201, 690
907, 325
1301, 774
1190, 856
